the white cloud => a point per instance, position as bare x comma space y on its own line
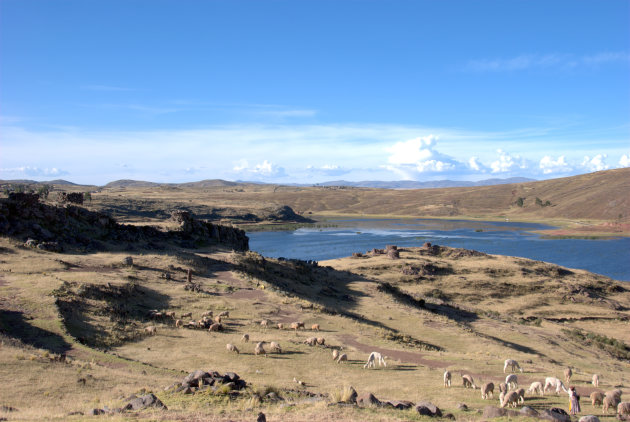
554, 60
475, 164
507, 162
597, 163
260, 170
624, 161
548, 165
418, 155
33, 172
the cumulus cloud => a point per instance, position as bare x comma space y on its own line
264, 169
418, 155
597, 163
327, 170
475, 164
548, 165
507, 163
624, 161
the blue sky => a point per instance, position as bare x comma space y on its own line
310, 91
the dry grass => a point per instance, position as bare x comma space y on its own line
480, 318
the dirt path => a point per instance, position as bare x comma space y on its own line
407, 357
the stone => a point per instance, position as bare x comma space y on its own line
428, 408
528, 411
462, 406
128, 261
399, 404
149, 400
96, 412
30, 243
490, 412
555, 414
367, 399
353, 395
589, 418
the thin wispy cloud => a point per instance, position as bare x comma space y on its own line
110, 88
543, 61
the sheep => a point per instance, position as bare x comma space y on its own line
568, 373
536, 387
511, 381
216, 327
187, 315
468, 381
259, 349
296, 325
512, 364
217, 319
315, 327
623, 408
553, 382
608, 402
208, 314
447, 379
596, 398
342, 358
595, 380
264, 323
321, 341
179, 323
375, 356
275, 347
225, 314
501, 396
232, 348
245, 338
614, 394
521, 395
503, 388
335, 354
280, 326
510, 399
311, 341
487, 390
151, 330
170, 314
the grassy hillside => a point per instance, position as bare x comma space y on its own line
594, 203
430, 310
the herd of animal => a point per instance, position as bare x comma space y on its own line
511, 395
509, 392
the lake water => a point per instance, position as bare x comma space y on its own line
609, 257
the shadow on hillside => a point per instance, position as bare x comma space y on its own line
322, 286
104, 316
14, 325
512, 345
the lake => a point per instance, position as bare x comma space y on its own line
610, 257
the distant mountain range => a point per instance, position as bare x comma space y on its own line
412, 184
401, 184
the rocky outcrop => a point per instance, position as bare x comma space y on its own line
53, 228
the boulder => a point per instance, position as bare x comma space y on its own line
353, 395
399, 404
462, 406
96, 412
555, 414
193, 378
142, 402
428, 409
589, 418
528, 411
490, 412
30, 243
367, 399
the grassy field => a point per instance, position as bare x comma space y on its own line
427, 312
